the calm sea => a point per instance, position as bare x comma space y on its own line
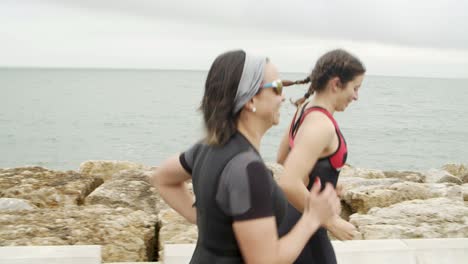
59, 118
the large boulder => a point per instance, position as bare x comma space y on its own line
440, 176
105, 169
450, 179
361, 199
431, 218
457, 170
349, 171
349, 183
125, 234
133, 194
46, 188
406, 176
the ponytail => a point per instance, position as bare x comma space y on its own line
301, 100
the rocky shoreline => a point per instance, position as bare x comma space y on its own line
111, 203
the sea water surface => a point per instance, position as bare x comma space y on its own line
58, 118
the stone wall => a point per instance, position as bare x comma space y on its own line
404, 204
112, 204
108, 203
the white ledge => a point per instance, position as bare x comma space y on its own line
79, 254
391, 251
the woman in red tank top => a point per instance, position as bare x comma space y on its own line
313, 146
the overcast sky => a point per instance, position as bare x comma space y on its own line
395, 37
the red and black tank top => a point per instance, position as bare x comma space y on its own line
327, 168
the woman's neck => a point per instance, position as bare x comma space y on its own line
323, 101
252, 132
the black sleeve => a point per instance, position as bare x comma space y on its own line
186, 158
245, 189
260, 192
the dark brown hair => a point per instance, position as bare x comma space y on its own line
218, 101
336, 63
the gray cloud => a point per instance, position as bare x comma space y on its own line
392, 39
429, 23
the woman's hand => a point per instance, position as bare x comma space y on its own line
341, 229
321, 206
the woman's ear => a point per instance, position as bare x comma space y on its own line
336, 84
250, 105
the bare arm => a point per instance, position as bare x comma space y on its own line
283, 149
258, 239
315, 134
339, 227
170, 180
312, 139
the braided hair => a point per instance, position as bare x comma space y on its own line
336, 63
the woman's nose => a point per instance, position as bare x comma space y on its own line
356, 96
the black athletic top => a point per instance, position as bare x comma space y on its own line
231, 183
318, 250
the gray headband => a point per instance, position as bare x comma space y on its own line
252, 77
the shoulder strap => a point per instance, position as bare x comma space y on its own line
297, 123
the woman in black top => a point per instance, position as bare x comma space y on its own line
314, 148
238, 204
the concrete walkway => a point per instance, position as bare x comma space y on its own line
404, 251
401, 251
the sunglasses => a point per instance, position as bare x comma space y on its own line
277, 85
